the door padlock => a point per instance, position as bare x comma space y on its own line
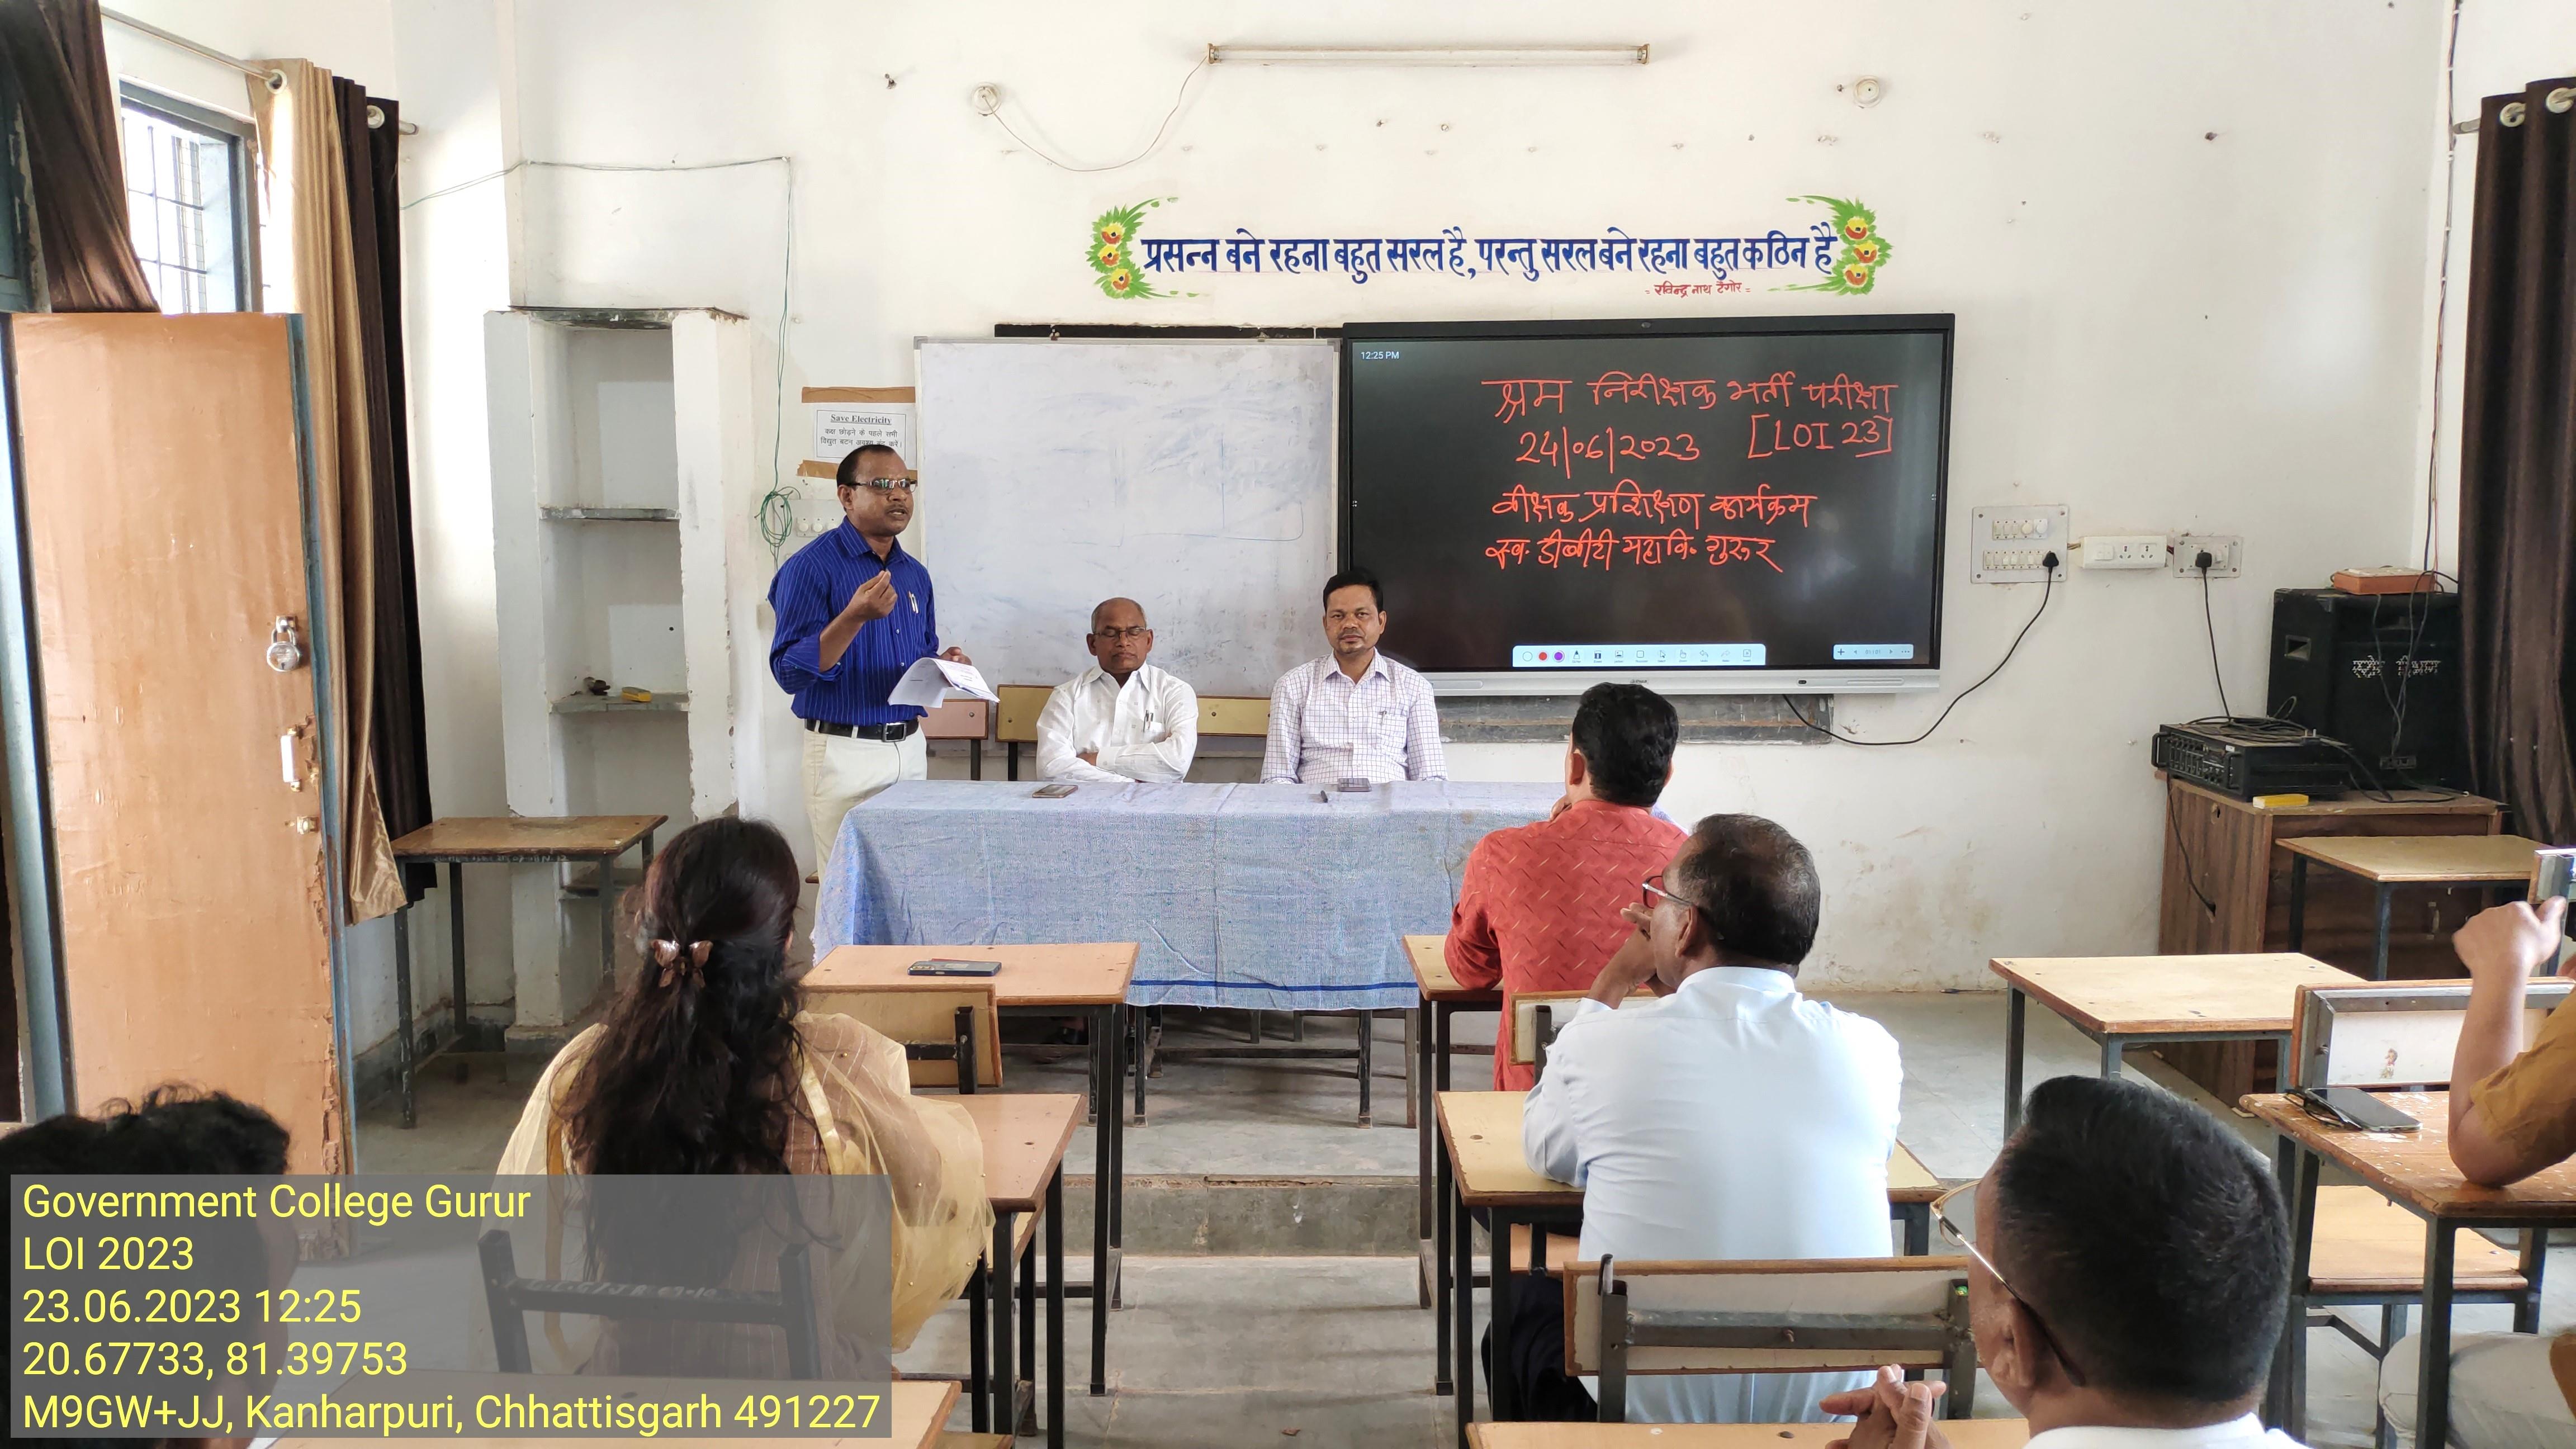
285, 650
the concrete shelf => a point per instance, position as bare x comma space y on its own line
663, 702
554, 513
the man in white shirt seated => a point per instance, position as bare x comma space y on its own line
2128, 1271
1732, 1119
1122, 719
1358, 714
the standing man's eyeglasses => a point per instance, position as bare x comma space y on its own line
908, 482
1955, 1212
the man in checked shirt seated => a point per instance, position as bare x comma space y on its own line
1357, 714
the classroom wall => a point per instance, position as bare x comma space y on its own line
2503, 46
2187, 245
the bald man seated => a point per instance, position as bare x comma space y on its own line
1122, 720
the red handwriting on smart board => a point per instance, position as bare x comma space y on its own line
1600, 547
1842, 392
1562, 448
1646, 387
1761, 505
1772, 389
1517, 397
1867, 437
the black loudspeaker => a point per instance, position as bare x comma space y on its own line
2380, 672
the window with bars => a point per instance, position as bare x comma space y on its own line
188, 197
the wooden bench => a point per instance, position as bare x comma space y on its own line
1221, 716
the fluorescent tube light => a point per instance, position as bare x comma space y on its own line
1514, 55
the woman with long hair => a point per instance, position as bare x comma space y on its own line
705, 1064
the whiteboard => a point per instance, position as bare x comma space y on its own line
1193, 477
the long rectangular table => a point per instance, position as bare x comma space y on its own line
1272, 897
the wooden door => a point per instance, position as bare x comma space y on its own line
164, 515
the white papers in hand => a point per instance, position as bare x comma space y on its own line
929, 681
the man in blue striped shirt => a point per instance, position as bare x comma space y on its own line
854, 612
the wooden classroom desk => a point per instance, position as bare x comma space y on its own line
2124, 1001
1090, 978
919, 1408
1024, 1140
2413, 1170
1962, 1434
1442, 999
2387, 862
1489, 1170
503, 840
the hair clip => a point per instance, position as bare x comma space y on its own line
668, 953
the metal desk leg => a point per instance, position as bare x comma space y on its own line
1368, 1039
1442, 1269
1005, 1380
1458, 1360
2433, 1343
2016, 1008
1028, 1271
1417, 1109
2379, 945
974, 759
1121, 1016
2287, 1157
1918, 1229
2535, 1256
1055, 1309
2298, 902
1498, 1312
979, 1351
405, 1045
608, 921
456, 954
648, 847
2111, 1058
1104, 1096
1412, 1060
1134, 1042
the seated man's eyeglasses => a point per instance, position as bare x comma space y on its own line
1955, 1212
1651, 887
1117, 633
908, 482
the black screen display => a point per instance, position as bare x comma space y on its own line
1708, 496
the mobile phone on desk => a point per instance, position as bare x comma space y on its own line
1056, 791
1352, 785
2354, 1108
940, 966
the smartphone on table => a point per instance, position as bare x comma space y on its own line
2351, 1107
941, 966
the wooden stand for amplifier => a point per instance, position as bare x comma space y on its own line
2225, 850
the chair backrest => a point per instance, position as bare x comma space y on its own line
958, 719
951, 1030
1797, 1316
2392, 1034
1537, 1016
1015, 719
1234, 715
510, 1298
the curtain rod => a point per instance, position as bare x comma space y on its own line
274, 79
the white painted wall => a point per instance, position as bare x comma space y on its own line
2186, 245
2504, 45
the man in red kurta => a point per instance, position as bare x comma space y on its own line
1538, 909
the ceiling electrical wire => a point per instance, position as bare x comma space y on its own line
995, 116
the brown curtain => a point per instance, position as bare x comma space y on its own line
399, 724
308, 243
68, 109
2518, 460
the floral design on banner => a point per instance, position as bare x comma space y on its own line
1844, 254
1864, 250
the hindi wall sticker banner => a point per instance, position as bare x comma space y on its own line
1842, 254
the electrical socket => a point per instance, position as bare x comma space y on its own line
2226, 554
2006, 544
2125, 550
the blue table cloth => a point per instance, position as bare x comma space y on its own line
1237, 895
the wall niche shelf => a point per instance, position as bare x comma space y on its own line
663, 702
556, 513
